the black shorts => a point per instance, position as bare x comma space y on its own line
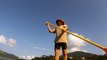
61, 45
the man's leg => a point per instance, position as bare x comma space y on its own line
57, 51
64, 51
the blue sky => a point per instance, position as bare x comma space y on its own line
24, 21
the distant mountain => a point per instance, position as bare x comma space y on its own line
79, 54
7, 56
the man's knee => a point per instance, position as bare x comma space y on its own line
56, 54
64, 52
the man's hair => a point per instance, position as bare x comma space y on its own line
60, 20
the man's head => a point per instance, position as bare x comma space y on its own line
60, 22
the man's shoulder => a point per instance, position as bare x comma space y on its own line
65, 26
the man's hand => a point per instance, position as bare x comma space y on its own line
47, 23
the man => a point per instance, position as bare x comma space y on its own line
61, 38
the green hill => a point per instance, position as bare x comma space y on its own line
7, 56
79, 54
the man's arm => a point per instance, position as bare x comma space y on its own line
50, 30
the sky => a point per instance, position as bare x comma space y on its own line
23, 31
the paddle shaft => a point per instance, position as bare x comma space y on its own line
87, 40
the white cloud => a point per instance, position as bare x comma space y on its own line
75, 44
9, 42
23, 57
74, 49
83, 50
29, 57
3, 39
